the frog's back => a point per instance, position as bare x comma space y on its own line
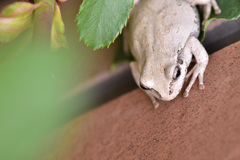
163, 25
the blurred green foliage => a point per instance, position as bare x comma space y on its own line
39, 90
18, 16
35, 83
32, 87
15, 18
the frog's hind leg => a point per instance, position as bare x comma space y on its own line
136, 76
216, 8
207, 7
206, 13
193, 46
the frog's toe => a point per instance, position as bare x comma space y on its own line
201, 86
153, 99
197, 72
156, 105
200, 77
218, 11
185, 94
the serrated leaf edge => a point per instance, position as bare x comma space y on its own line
110, 41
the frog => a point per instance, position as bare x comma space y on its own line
162, 36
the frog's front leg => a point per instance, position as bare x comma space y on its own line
193, 46
136, 76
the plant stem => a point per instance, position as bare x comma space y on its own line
43, 23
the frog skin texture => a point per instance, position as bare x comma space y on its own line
162, 36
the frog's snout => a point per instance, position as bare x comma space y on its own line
144, 87
155, 93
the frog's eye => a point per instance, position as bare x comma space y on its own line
176, 73
180, 61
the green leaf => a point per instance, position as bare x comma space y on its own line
58, 38
15, 18
230, 11
99, 22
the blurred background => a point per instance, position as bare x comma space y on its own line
41, 90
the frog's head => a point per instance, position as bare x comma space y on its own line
163, 80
